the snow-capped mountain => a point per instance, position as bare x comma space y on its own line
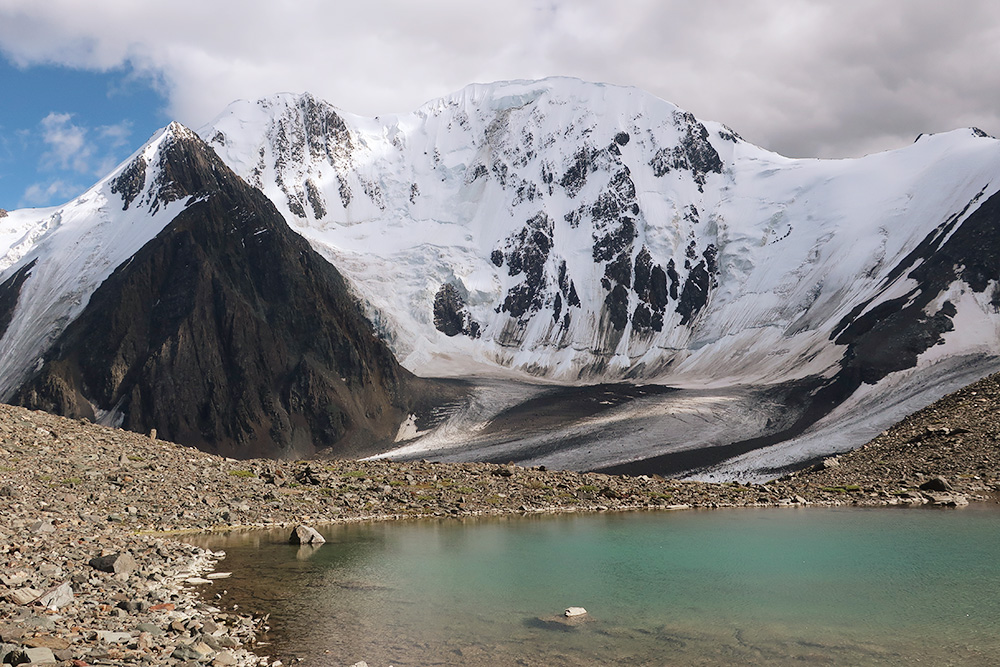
581, 232
576, 233
172, 296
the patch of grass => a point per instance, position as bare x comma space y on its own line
136, 458
853, 488
588, 488
538, 485
833, 489
464, 489
396, 482
656, 495
241, 473
45, 478
72, 481
356, 474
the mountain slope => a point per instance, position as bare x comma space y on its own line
225, 331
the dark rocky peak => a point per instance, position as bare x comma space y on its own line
227, 332
3, 213
182, 165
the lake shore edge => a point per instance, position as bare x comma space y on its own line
95, 572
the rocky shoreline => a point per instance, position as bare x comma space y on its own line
91, 572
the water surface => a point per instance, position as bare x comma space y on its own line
759, 587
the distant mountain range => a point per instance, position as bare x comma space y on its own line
554, 231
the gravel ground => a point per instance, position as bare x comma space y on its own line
91, 572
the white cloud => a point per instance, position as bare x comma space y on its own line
808, 77
68, 148
41, 194
71, 147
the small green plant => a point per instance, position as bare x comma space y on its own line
833, 489
72, 481
136, 458
242, 473
357, 474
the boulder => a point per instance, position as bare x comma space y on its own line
305, 535
936, 484
58, 596
119, 563
574, 611
34, 656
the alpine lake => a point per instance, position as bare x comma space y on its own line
814, 586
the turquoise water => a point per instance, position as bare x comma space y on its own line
761, 587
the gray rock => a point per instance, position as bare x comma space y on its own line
34, 656
224, 659
936, 484
42, 527
57, 597
7, 649
119, 563
23, 596
305, 535
109, 637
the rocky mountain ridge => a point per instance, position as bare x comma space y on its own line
225, 331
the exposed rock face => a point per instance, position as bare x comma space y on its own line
226, 331
9, 291
450, 316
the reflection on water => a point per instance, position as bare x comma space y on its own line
770, 587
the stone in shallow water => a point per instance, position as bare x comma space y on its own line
574, 611
305, 535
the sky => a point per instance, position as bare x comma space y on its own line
84, 84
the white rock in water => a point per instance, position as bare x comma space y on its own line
305, 535
574, 611
219, 575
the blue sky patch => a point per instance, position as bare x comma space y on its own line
62, 129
